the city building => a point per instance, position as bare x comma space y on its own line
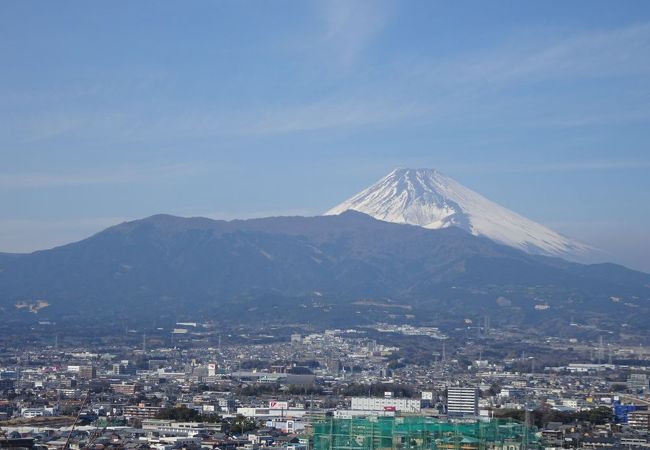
462, 401
172, 428
638, 382
124, 388
87, 372
639, 420
141, 411
385, 404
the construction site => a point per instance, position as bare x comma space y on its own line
422, 433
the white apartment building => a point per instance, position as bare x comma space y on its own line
172, 428
462, 401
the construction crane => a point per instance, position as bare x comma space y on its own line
94, 436
76, 420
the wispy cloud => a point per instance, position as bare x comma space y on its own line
350, 26
85, 177
327, 114
501, 81
471, 88
332, 113
590, 165
577, 166
592, 54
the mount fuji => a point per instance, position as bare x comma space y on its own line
427, 198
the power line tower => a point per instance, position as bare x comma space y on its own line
600, 354
609, 352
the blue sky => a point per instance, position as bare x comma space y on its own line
118, 110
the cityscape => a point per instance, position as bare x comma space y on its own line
324, 225
199, 385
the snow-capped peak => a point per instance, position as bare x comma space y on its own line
427, 198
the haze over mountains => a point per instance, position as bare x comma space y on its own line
337, 269
427, 198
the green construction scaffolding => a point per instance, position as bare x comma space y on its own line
422, 433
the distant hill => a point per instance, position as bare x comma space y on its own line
347, 268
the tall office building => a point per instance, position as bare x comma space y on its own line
462, 401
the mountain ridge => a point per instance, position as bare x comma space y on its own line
174, 266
